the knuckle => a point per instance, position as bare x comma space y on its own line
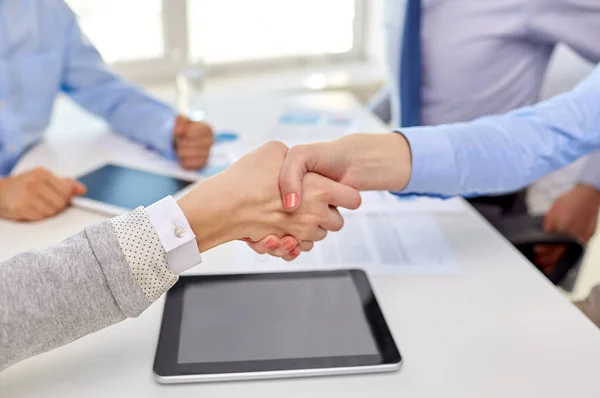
285, 179
338, 225
299, 150
307, 246
42, 171
31, 182
314, 219
322, 236
276, 146
258, 248
356, 201
305, 232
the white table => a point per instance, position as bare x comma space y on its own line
498, 330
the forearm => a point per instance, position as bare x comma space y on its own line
50, 297
504, 153
113, 270
127, 109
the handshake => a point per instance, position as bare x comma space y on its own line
280, 201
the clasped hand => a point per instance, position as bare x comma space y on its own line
244, 203
361, 161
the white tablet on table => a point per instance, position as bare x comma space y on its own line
114, 189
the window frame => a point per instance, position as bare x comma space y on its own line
176, 50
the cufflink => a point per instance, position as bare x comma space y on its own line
179, 232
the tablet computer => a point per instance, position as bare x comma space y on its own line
272, 325
114, 189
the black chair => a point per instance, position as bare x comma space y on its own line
525, 232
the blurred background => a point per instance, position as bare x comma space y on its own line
173, 45
344, 42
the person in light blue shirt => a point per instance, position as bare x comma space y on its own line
488, 155
453, 61
43, 53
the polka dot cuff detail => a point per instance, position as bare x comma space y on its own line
144, 253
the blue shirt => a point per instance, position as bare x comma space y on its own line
504, 153
491, 62
42, 53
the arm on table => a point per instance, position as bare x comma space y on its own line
52, 296
89, 82
113, 270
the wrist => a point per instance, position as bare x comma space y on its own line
210, 209
382, 161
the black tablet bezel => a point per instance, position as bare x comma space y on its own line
165, 361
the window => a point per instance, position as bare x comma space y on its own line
155, 38
268, 29
123, 30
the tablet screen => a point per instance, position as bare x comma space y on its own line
250, 320
129, 188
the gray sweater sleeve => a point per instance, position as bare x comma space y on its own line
52, 296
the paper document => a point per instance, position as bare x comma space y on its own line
382, 244
383, 201
148, 160
302, 126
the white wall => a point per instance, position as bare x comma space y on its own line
565, 71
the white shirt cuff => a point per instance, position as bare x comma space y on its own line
175, 234
590, 174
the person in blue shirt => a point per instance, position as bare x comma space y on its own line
43, 53
453, 61
489, 155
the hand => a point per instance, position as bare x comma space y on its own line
575, 214
244, 202
192, 142
36, 195
362, 161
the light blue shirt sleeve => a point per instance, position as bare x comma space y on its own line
126, 108
503, 153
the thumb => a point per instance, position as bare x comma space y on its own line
180, 124
299, 160
295, 166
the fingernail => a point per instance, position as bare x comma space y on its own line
271, 244
289, 245
291, 200
295, 252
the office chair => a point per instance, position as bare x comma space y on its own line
525, 232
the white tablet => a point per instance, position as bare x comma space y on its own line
114, 189
272, 325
